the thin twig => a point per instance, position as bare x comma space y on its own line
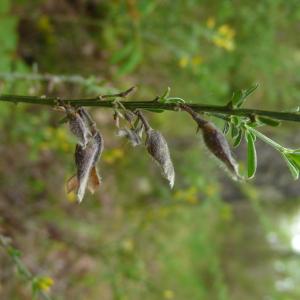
152, 105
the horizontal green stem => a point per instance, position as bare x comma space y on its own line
108, 101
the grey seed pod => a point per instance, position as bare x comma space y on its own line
88, 120
78, 127
159, 150
86, 160
131, 134
218, 145
86, 163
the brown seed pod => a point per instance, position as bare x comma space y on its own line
218, 145
159, 150
215, 142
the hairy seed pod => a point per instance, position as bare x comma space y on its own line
133, 135
88, 120
78, 127
215, 141
218, 145
86, 160
159, 150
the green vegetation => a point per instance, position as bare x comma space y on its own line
207, 238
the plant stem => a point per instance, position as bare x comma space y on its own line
108, 101
267, 140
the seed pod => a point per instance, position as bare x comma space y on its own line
78, 127
88, 120
218, 145
215, 141
86, 160
159, 150
131, 134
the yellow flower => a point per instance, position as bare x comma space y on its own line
210, 22
224, 38
71, 197
61, 134
197, 60
225, 43
226, 31
211, 190
112, 156
189, 195
128, 245
168, 294
226, 213
183, 62
44, 24
44, 283
66, 147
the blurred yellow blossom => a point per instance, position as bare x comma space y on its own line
226, 213
66, 147
113, 155
61, 134
211, 189
197, 60
44, 24
224, 38
183, 61
44, 283
210, 22
71, 197
226, 31
128, 245
189, 195
168, 294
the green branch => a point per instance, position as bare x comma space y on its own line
108, 102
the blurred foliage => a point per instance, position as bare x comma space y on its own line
136, 239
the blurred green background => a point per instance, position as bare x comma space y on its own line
208, 238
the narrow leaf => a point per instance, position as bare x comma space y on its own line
295, 157
292, 167
238, 139
250, 90
165, 95
251, 155
269, 121
234, 131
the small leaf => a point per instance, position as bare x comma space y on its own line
251, 155
236, 98
253, 136
269, 121
294, 169
238, 139
235, 120
295, 157
166, 94
239, 97
250, 90
234, 131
